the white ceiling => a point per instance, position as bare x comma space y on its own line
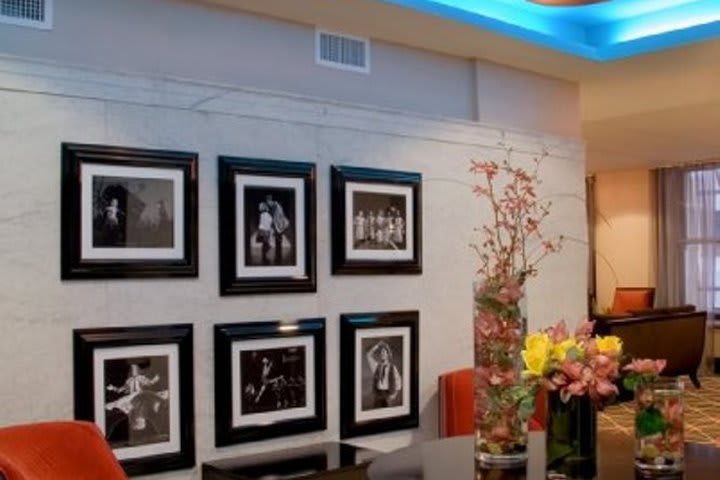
651, 110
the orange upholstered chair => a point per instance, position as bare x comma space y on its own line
632, 298
57, 451
455, 402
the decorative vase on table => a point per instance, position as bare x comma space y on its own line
571, 437
502, 402
659, 425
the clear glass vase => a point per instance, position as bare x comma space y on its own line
659, 428
500, 397
571, 437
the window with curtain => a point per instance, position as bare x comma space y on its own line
701, 243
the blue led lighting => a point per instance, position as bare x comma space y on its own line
601, 32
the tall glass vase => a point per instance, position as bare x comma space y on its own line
500, 399
571, 437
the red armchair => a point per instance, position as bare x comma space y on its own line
57, 451
455, 401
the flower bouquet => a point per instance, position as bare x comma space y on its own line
578, 372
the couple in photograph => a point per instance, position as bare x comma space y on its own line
272, 225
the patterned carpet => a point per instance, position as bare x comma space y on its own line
702, 413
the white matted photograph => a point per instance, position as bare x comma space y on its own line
272, 380
270, 235
136, 385
376, 221
267, 226
379, 364
137, 399
381, 222
269, 379
130, 213
382, 387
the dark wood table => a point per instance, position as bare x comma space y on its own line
453, 458
322, 461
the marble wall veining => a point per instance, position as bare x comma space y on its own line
42, 105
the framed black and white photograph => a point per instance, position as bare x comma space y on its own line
136, 384
269, 379
128, 212
376, 221
267, 226
379, 364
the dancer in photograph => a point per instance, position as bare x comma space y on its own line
276, 384
265, 230
360, 224
280, 224
399, 232
372, 226
381, 228
138, 403
112, 213
386, 379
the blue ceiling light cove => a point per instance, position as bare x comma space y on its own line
601, 32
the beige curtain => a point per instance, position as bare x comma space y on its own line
590, 211
670, 281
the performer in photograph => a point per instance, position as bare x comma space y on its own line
277, 385
138, 403
360, 223
264, 232
372, 226
386, 380
111, 221
280, 223
381, 228
399, 232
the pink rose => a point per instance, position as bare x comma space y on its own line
646, 366
605, 388
559, 332
510, 292
584, 329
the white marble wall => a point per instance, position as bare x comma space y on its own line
42, 105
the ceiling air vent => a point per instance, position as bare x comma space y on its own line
27, 13
342, 51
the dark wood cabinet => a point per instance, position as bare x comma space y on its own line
324, 461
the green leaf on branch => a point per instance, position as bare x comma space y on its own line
650, 421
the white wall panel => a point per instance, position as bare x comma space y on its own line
42, 105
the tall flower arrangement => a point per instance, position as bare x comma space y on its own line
509, 252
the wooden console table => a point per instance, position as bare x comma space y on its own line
324, 461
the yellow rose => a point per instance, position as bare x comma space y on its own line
609, 345
536, 353
537, 341
560, 350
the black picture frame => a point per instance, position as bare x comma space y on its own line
399, 249
249, 265
151, 430
364, 410
128, 212
247, 411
